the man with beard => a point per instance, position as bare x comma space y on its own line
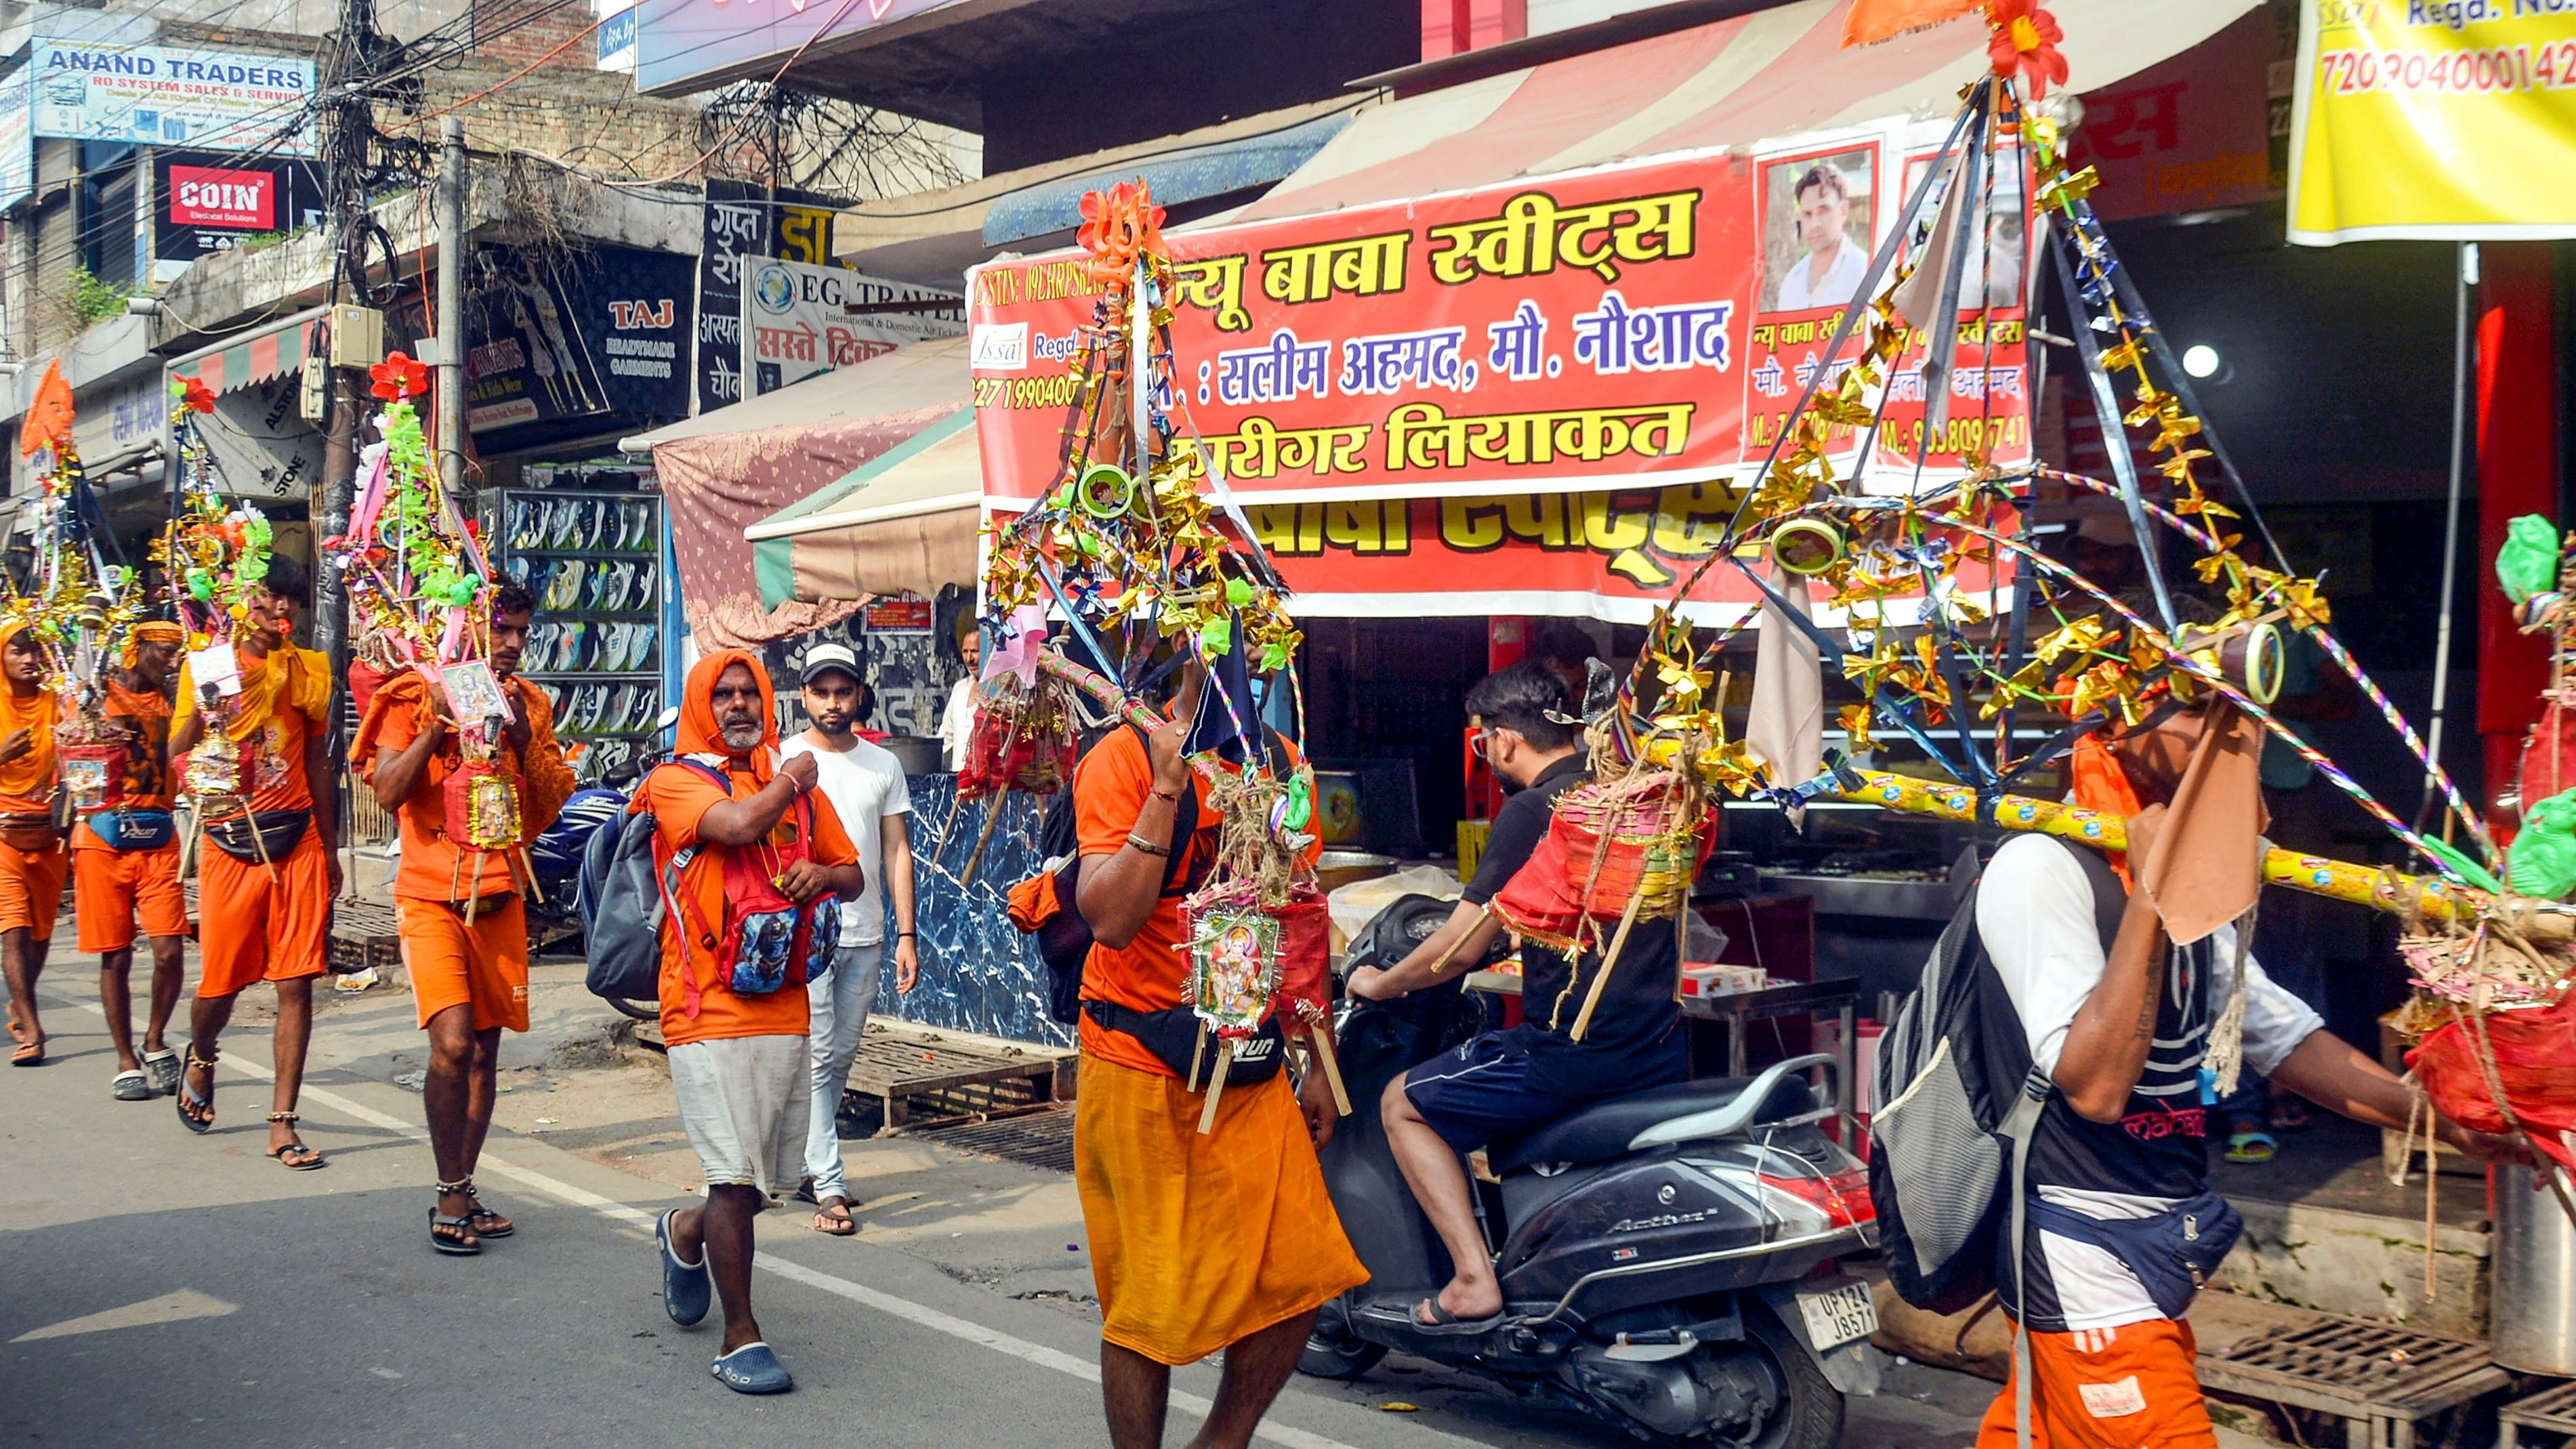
740, 1066
264, 891
865, 784
457, 910
125, 863
31, 850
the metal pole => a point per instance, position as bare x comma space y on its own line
2467, 278
451, 308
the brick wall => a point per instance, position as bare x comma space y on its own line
526, 39
588, 117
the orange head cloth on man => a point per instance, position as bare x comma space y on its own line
2207, 864
150, 631
698, 732
31, 775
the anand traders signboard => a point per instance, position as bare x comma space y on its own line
678, 42
162, 95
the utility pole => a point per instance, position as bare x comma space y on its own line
452, 242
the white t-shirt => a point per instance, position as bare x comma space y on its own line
865, 784
2035, 915
1842, 280
958, 722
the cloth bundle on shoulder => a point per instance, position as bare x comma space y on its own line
2533, 1073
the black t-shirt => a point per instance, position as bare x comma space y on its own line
1633, 1027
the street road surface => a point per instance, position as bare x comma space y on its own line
159, 1288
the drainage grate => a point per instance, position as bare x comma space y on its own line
1043, 1138
2553, 1412
2381, 1379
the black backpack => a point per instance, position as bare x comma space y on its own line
621, 903
1958, 1102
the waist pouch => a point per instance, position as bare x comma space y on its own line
262, 836
1172, 1035
23, 831
135, 829
2173, 1253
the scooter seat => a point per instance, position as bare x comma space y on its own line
1604, 1129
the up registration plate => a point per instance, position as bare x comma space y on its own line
1836, 1316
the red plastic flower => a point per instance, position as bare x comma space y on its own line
1118, 225
2025, 42
398, 377
195, 396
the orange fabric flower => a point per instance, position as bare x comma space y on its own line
398, 377
1118, 226
2025, 42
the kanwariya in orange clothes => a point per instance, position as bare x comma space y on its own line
267, 919
111, 887
481, 963
31, 880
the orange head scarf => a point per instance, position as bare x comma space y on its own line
31, 775
698, 732
150, 631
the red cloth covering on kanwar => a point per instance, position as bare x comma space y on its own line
2535, 1065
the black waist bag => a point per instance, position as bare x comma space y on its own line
261, 837
1172, 1035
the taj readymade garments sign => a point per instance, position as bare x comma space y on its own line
1539, 397
2434, 119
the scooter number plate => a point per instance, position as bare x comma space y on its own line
1836, 1316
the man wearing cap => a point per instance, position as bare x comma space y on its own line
125, 863
865, 784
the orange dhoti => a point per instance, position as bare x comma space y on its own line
263, 922
482, 967
110, 888
2130, 1387
1198, 1241
31, 889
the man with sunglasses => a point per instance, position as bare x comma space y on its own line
1503, 1082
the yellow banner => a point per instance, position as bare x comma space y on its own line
2447, 120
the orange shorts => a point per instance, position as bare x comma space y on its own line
255, 926
31, 890
111, 887
2130, 1387
482, 967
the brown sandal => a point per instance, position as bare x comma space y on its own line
188, 1096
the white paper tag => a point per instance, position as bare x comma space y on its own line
216, 664
2114, 1400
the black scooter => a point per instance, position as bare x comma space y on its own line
1667, 1258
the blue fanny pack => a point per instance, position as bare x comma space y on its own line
2173, 1253
134, 829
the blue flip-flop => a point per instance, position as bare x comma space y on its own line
753, 1369
687, 1288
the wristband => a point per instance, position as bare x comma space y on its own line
907, 935
1172, 795
1140, 843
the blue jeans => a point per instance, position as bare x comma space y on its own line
840, 1004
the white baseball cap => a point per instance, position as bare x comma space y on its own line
823, 658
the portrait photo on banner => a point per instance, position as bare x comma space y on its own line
2006, 260
1817, 221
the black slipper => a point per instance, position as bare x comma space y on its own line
1447, 1324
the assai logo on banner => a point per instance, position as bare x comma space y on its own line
213, 196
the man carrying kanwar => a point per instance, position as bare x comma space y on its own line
747, 848
125, 864
457, 910
1501, 1083
2122, 1221
1199, 1241
32, 860
265, 885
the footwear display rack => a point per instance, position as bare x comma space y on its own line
595, 562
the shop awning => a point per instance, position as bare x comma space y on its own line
241, 362
726, 471
904, 523
1189, 174
1768, 74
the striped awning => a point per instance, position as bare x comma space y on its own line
241, 362
906, 521
1772, 73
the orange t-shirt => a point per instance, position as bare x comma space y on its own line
432, 865
679, 797
1152, 974
146, 717
285, 698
